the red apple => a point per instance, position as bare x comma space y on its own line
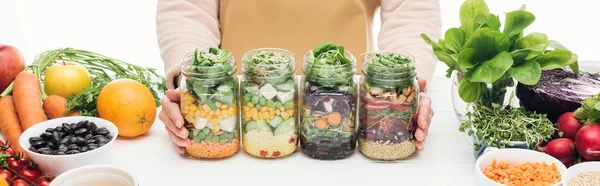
11, 63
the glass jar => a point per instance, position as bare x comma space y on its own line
269, 113
209, 90
328, 108
389, 99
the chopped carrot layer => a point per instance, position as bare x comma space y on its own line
527, 174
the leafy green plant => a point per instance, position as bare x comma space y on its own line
499, 126
589, 112
328, 66
210, 78
389, 70
485, 55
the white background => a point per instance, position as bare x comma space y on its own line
128, 26
125, 29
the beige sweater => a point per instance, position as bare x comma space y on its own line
185, 24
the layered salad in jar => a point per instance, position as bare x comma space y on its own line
208, 104
269, 111
389, 100
328, 103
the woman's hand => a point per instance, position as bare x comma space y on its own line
424, 115
170, 115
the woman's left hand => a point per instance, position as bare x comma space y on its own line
423, 115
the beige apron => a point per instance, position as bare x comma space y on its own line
296, 25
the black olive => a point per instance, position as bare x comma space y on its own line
80, 141
48, 152
102, 131
100, 144
32, 149
59, 129
92, 146
106, 140
50, 130
56, 136
81, 132
63, 148
44, 149
60, 153
109, 136
67, 127
39, 144
72, 152
92, 126
65, 141
88, 136
46, 135
62, 134
52, 145
73, 146
93, 141
79, 125
99, 137
83, 149
34, 139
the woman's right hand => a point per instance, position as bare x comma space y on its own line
171, 116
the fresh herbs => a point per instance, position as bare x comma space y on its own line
271, 66
499, 126
389, 70
589, 112
484, 55
102, 69
210, 77
328, 66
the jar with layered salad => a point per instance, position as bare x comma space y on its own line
389, 99
328, 103
209, 92
269, 114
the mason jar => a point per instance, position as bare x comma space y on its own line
329, 100
209, 104
269, 113
389, 99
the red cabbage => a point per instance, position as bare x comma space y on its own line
558, 91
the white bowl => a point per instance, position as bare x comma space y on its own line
95, 175
577, 169
512, 156
57, 164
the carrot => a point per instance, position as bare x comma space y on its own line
55, 106
334, 118
28, 99
9, 123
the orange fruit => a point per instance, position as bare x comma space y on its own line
129, 105
3, 182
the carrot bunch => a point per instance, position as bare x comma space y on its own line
526, 174
24, 108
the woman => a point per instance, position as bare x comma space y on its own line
296, 25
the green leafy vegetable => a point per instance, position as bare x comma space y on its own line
589, 112
329, 67
480, 52
499, 126
210, 77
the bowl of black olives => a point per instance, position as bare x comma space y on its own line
62, 144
